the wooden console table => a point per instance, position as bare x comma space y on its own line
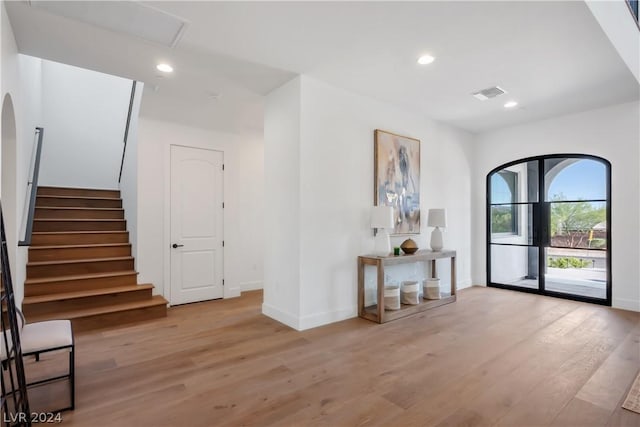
377, 312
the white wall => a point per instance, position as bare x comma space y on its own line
250, 199
612, 133
336, 186
282, 256
84, 114
10, 87
616, 21
20, 77
128, 184
242, 255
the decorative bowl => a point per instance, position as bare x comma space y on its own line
409, 247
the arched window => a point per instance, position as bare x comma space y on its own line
555, 241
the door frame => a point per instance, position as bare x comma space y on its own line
166, 239
540, 212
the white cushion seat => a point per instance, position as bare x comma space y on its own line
46, 336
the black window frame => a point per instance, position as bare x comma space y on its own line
541, 236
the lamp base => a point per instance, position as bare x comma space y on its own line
382, 243
436, 240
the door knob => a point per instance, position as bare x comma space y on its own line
176, 246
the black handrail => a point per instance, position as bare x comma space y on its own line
126, 128
34, 190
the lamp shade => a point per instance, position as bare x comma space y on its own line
382, 217
437, 218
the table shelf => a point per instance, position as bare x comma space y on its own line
377, 313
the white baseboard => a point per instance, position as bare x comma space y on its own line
324, 318
464, 284
281, 316
626, 304
251, 286
231, 292
310, 321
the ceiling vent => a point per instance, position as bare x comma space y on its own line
124, 17
488, 93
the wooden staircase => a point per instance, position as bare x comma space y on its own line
80, 265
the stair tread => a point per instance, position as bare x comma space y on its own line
84, 293
79, 277
80, 232
80, 219
76, 261
77, 188
78, 197
88, 245
156, 300
78, 208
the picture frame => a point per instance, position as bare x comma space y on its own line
397, 179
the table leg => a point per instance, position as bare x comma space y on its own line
360, 287
454, 284
380, 292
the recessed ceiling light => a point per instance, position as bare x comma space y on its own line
510, 104
165, 68
426, 59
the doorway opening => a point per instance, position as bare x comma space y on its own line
548, 227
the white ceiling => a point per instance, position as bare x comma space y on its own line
552, 57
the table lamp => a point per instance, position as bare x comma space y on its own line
437, 218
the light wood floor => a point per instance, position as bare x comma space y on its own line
494, 357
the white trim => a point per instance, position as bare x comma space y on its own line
626, 304
230, 292
251, 286
281, 316
464, 284
166, 221
327, 317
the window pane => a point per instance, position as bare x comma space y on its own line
514, 265
579, 225
575, 179
576, 272
515, 184
512, 224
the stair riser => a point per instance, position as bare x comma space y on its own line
78, 285
78, 239
60, 254
120, 318
41, 271
50, 308
40, 225
78, 192
78, 202
45, 213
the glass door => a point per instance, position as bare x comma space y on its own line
547, 227
512, 246
576, 251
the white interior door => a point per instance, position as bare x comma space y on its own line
196, 224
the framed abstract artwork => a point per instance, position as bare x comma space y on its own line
397, 179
